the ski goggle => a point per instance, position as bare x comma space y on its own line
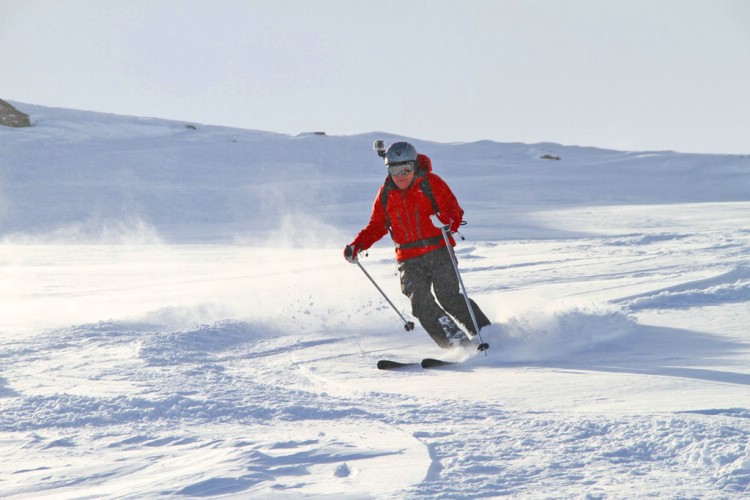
401, 169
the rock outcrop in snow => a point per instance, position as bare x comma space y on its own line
11, 117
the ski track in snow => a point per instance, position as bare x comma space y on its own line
136, 365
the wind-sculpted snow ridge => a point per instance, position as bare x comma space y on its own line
194, 345
732, 286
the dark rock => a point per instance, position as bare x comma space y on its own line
11, 117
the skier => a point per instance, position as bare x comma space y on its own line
404, 205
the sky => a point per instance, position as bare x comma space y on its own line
620, 74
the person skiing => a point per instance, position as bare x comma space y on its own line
405, 206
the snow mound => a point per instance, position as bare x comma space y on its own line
192, 345
557, 331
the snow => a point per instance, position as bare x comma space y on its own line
177, 319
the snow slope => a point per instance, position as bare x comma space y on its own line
177, 320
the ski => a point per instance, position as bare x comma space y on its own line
435, 363
387, 364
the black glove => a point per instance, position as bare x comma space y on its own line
351, 252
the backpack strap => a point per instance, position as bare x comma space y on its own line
427, 189
387, 186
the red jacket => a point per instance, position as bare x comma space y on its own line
409, 211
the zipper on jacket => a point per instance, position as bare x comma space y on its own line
399, 216
404, 226
410, 230
418, 227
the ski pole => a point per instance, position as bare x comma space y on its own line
408, 325
483, 346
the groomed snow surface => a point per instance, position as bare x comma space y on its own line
177, 320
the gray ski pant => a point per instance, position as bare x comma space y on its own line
434, 271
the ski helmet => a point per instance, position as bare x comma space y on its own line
400, 152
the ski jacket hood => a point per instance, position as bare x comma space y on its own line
425, 164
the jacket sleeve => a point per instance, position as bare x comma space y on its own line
376, 228
450, 211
